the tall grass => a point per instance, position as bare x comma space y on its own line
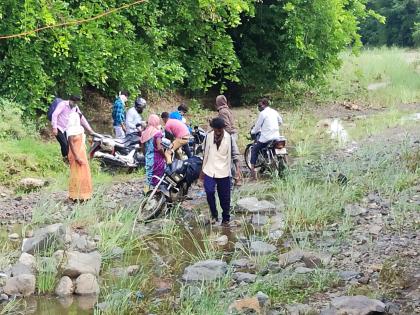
388, 65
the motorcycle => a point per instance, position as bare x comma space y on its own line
273, 157
171, 188
196, 141
112, 152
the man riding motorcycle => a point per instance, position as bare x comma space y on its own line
268, 126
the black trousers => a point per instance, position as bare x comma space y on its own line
64, 144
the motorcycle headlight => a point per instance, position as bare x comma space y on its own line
177, 177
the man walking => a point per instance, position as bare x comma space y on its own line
118, 114
60, 119
180, 132
220, 150
226, 114
268, 126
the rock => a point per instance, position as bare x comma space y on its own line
348, 275
259, 219
79, 242
21, 285
252, 205
21, 269
242, 263
64, 287
375, 229
3, 297
43, 238
245, 306
28, 260
244, 277
32, 183
303, 270
301, 309
355, 305
276, 235
290, 257
14, 237
263, 299
86, 284
207, 270
261, 248
315, 259
354, 210
125, 272
222, 240
117, 252
74, 263
392, 308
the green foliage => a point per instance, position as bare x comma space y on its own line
158, 44
12, 124
399, 29
296, 40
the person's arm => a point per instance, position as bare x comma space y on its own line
204, 158
236, 158
73, 151
258, 124
55, 114
84, 122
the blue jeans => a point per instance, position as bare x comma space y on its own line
256, 148
223, 191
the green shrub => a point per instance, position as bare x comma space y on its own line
12, 124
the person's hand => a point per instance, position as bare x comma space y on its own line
201, 176
80, 161
55, 131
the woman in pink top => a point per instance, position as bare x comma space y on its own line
179, 130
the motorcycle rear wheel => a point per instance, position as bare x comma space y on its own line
151, 208
247, 157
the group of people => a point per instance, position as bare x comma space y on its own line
220, 150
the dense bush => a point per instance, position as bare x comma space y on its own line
166, 44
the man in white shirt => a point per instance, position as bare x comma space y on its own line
268, 126
220, 150
133, 118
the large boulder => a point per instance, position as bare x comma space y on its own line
261, 248
355, 305
253, 205
21, 285
73, 264
64, 287
207, 270
87, 284
43, 238
21, 269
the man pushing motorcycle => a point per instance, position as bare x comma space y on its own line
268, 126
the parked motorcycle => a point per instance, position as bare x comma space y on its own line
272, 157
112, 152
172, 187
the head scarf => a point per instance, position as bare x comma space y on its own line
221, 101
152, 128
74, 126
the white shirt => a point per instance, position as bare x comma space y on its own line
74, 126
217, 161
268, 124
132, 118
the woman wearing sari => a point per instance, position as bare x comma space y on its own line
80, 183
151, 137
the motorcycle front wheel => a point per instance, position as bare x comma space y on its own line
151, 206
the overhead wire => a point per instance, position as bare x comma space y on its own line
73, 22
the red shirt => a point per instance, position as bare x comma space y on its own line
177, 128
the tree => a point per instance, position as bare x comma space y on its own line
399, 29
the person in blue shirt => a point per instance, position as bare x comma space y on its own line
179, 115
118, 114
